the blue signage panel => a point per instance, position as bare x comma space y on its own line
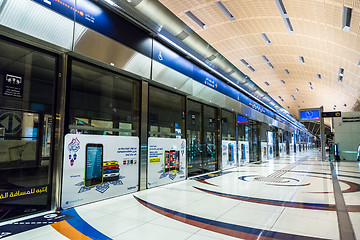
171, 59
241, 119
103, 21
306, 115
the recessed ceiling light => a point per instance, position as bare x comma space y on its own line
247, 65
196, 19
297, 89
267, 61
282, 81
244, 62
284, 15
302, 60
225, 10
287, 72
341, 74
346, 19
266, 39
345, 105
319, 76
302, 101
266, 83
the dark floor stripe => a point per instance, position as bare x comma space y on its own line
280, 203
345, 227
229, 229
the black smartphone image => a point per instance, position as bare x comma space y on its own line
167, 161
177, 160
230, 152
93, 164
243, 151
172, 160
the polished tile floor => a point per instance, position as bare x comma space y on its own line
285, 198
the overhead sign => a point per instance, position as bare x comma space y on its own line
331, 114
309, 115
241, 119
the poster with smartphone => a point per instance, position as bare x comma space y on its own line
97, 167
264, 151
243, 152
166, 161
229, 155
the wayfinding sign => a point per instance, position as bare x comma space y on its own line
331, 114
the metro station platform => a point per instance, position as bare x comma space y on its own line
292, 197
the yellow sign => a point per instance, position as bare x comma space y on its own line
32, 191
109, 163
154, 160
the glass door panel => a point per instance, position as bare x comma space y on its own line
27, 80
209, 139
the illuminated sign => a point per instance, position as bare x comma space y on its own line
307, 115
331, 114
241, 119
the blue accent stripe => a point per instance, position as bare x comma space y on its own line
79, 224
233, 227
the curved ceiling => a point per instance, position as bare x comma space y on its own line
318, 37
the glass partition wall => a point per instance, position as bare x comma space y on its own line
102, 102
27, 82
229, 145
166, 114
201, 138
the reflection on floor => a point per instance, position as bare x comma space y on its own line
287, 198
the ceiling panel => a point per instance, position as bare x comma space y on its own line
318, 37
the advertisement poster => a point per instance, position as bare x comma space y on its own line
243, 152
97, 167
166, 161
229, 158
282, 149
264, 151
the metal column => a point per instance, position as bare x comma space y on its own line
144, 134
322, 134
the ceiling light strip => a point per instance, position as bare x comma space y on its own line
225, 11
266, 39
196, 19
346, 19
284, 15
